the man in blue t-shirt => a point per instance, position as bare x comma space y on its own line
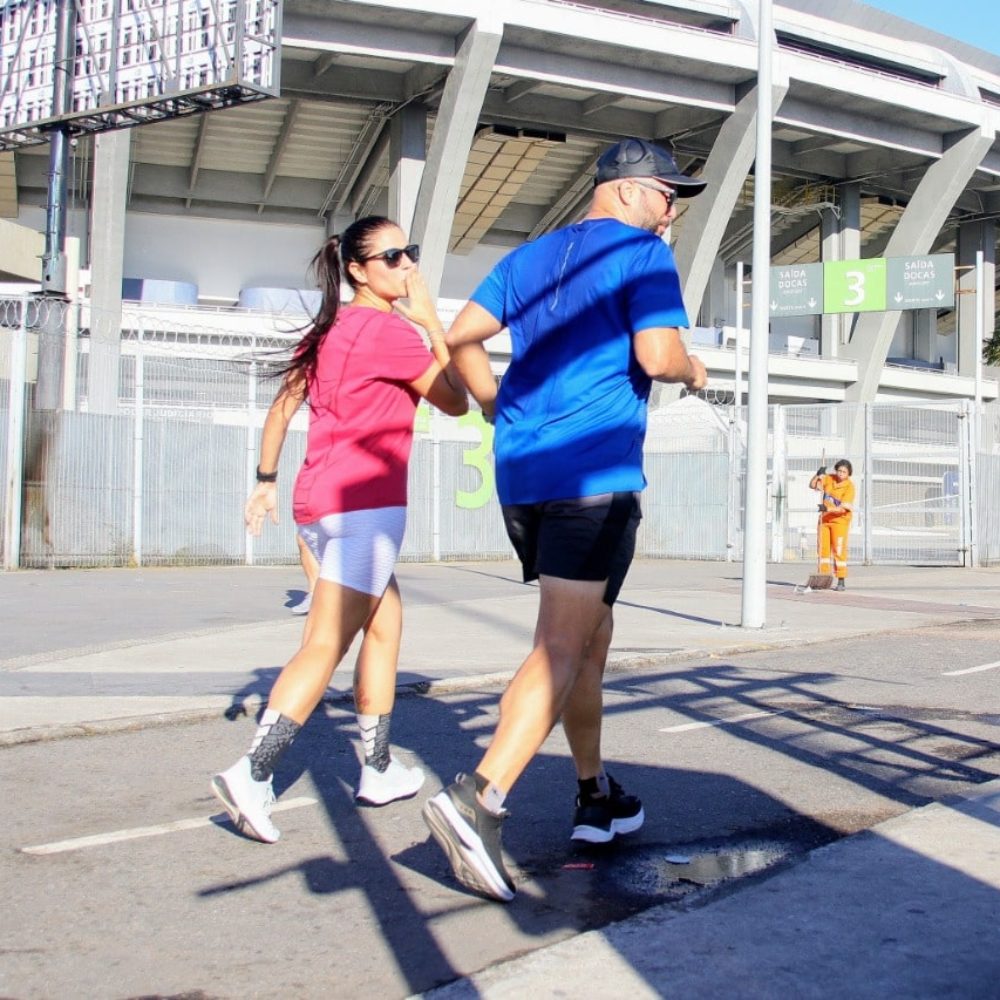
594, 312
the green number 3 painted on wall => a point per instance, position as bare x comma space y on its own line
478, 458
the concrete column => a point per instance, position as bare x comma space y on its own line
718, 297
337, 222
831, 248
454, 130
850, 249
706, 216
407, 155
923, 323
942, 184
850, 221
840, 240
112, 154
972, 237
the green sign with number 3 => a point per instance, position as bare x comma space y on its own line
480, 460
851, 286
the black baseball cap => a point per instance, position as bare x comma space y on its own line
638, 158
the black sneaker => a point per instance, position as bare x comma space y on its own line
470, 835
598, 821
841, 585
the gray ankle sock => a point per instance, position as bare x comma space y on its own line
274, 736
491, 797
375, 739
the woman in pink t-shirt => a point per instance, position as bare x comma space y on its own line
363, 369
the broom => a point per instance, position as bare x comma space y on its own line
818, 580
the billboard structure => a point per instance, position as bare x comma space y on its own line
133, 61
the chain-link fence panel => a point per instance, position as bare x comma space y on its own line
159, 472
685, 506
917, 471
814, 436
453, 509
988, 485
77, 499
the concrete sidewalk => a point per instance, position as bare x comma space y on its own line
94, 650
910, 908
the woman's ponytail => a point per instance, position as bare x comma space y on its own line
329, 266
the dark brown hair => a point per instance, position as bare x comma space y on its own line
330, 268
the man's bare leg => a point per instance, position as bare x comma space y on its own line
584, 707
603, 809
465, 817
569, 613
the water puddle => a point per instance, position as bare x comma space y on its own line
609, 884
652, 871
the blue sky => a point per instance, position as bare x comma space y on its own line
976, 22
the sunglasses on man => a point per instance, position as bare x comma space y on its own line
394, 256
669, 193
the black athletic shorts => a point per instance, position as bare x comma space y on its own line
583, 538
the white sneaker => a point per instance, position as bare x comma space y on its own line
376, 788
302, 608
247, 801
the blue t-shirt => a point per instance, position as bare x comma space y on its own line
571, 411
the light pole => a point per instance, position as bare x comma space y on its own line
755, 507
51, 312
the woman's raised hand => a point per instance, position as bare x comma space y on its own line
419, 307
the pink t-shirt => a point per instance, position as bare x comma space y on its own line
361, 415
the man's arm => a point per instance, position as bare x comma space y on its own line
662, 355
471, 328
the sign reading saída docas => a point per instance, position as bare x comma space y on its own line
876, 284
921, 282
796, 290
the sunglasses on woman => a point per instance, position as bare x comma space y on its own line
394, 255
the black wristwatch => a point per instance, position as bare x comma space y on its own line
267, 477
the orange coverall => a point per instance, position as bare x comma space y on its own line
834, 523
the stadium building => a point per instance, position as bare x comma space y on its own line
477, 124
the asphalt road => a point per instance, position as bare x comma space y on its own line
742, 762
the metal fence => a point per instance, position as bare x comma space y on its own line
162, 481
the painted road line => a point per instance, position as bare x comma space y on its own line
138, 832
686, 727
972, 670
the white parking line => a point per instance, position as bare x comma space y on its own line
972, 670
688, 726
136, 833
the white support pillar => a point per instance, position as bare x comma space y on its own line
454, 130
112, 153
13, 480
71, 361
407, 155
250, 458
935, 196
138, 446
974, 238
